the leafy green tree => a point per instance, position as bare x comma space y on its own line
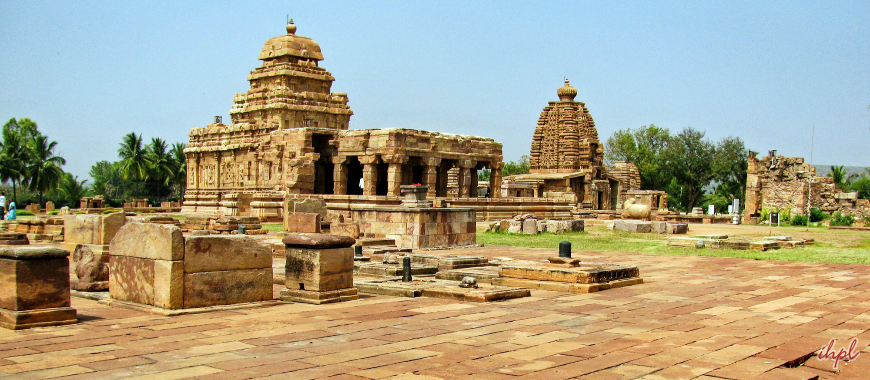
13, 157
862, 186
43, 166
645, 148
841, 178
519, 167
134, 160
70, 190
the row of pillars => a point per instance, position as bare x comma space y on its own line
467, 179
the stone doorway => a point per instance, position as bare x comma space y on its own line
323, 167
354, 175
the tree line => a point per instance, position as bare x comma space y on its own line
31, 169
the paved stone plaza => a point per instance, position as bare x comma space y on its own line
692, 318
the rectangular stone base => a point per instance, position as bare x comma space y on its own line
484, 294
565, 286
318, 298
439, 289
25, 319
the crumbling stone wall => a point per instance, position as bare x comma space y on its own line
787, 183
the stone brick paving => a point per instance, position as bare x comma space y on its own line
693, 318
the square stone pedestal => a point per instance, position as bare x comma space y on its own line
34, 287
319, 269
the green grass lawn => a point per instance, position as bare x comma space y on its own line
617, 241
273, 227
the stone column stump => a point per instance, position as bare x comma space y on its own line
319, 269
34, 287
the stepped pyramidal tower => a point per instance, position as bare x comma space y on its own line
290, 89
565, 138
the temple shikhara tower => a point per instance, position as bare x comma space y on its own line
565, 140
566, 160
290, 136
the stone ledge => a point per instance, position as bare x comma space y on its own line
25, 319
172, 312
33, 253
319, 298
565, 286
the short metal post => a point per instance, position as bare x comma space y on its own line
406, 269
565, 249
357, 250
241, 229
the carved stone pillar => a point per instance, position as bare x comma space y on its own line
495, 180
394, 174
370, 174
432, 176
339, 175
463, 180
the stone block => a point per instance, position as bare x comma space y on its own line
29, 282
350, 230
576, 225
109, 226
504, 225
659, 227
34, 287
204, 289
636, 226
530, 226
557, 226
678, 228
223, 253
148, 241
147, 281
542, 225
82, 228
515, 227
302, 222
319, 269
307, 205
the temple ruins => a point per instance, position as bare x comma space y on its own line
788, 184
289, 136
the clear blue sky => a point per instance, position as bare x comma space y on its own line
90, 72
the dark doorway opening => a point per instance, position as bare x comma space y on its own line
382, 188
323, 167
354, 175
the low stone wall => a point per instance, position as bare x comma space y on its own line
486, 209
153, 264
418, 227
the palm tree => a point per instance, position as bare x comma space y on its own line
159, 161
134, 161
43, 166
13, 156
179, 168
841, 178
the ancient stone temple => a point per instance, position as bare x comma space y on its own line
567, 160
289, 135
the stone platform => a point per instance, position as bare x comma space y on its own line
575, 277
439, 289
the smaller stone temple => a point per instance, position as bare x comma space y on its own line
779, 183
567, 162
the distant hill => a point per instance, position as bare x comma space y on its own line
823, 170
